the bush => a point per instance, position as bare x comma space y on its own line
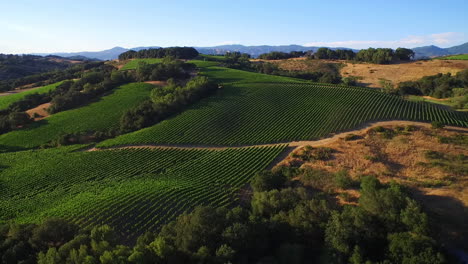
437, 125
342, 180
267, 180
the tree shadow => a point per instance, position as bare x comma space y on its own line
449, 217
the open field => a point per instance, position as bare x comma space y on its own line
132, 64
101, 115
254, 113
450, 102
371, 74
455, 57
134, 191
431, 163
8, 98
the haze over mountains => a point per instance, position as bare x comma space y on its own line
110, 54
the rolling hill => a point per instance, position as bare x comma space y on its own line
110, 54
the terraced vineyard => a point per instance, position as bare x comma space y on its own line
7, 100
256, 113
133, 190
101, 115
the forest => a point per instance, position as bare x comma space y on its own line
438, 86
186, 53
283, 223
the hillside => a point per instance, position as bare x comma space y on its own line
148, 186
97, 116
225, 159
370, 75
111, 54
14, 66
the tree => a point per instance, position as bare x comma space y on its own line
404, 54
267, 180
53, 233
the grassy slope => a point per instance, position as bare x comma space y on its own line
132, 64
250, 111
101, 115
455, 57
131, 190
6, 100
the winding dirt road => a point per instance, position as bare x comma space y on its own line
292, 144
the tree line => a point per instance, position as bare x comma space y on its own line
371, 55
69, 94
49, 77
284, 222
185, 53
439, 85
277, 55
181, 90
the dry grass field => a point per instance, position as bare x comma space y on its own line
435, 171
371, 74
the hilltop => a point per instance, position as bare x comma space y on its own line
254, 51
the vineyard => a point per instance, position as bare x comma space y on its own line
456, 57
101, 115
132, 64
256, 113
7, 100
133, 190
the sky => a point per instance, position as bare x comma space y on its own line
28, 26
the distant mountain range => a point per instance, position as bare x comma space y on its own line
110, 54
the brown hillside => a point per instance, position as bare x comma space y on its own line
371, 74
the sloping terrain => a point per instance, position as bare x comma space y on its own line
101, 115
254, 108
8, 98
134, 191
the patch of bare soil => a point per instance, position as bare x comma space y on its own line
39, 112
157, 83
20, 89
435, 99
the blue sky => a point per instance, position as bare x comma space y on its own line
64, 25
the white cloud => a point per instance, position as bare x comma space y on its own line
446, 39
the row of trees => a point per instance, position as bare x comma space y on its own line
439, 85
168, 68
17, 66
282, 224
49, 77
69, 94
328, 73
277, 55
166, 101
378, 56
176, 52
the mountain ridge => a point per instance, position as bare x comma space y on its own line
113, 53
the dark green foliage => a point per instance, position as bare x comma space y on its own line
404, 54
377, 56
267, 180
328, 73
237, 60
52, 75
342, 180
169, 68
277, 55
186, 53
439, 85
437, 124
337, 54
166, 101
